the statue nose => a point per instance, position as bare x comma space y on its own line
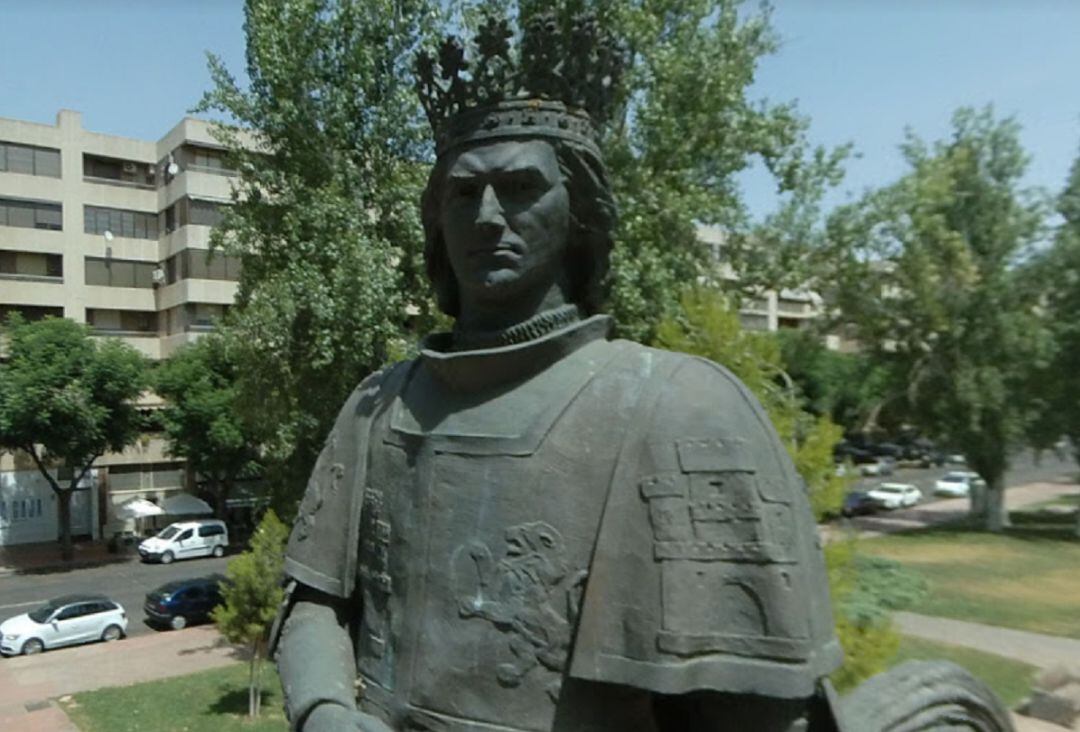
490, 212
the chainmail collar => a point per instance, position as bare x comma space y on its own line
535, 327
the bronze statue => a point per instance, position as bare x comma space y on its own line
531, 526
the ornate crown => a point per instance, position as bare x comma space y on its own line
561, 83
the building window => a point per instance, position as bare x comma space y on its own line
31, 214
119, 273
122, 322
31, 265
203, 159
29, 160
193, 317
193, 211
120, 222
30, 312
200, 264
115, 171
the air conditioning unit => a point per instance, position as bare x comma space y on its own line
157, 276
129, 167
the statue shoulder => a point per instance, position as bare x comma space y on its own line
321, 548
376, 388
699, 395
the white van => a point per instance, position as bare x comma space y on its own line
186, 539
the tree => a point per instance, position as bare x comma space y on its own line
251, 594
851, 388
926, 278
688, 129
324, 213
336, 151
708, 326
201, 421
1054, 279
67, 399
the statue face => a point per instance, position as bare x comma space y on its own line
505, 215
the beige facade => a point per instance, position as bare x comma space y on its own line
113, 232
770, 310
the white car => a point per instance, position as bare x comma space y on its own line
895, 495
64, 621
956, 483
186, 539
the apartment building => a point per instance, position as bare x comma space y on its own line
770, 310
112, 232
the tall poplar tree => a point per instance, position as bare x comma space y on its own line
325, 210
927, 279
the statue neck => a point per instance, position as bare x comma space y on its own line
544, 322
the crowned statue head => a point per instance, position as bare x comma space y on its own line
517, 212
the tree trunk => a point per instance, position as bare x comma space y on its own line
63, 508
254, 692
220, 489
997, 517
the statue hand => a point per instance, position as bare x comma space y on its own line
336, 718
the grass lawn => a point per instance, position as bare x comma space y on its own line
209, 700
1025, 578
1010, 680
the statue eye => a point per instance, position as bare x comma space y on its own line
466, 190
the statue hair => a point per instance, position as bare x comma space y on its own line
592, 221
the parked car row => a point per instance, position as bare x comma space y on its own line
886, 496
880, 457
75, 619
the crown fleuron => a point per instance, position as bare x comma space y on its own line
560, 82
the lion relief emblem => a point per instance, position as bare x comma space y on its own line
529, 594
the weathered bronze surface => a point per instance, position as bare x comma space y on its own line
533, 527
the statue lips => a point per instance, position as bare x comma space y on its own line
502, 249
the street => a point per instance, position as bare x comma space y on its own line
1023, 470
126, 583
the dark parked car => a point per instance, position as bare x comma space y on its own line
183, 602
859, 502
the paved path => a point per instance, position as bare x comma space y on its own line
28, 684
1042, 651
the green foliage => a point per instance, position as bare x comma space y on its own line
201, 419
861, 601
67, 398
854, 390
708, 326
252, 590
925, 277
251, 594
688, 128
324, 213
1054, 277
215, 700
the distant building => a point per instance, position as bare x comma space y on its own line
113, 232
770, 310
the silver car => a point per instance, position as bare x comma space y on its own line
64, 621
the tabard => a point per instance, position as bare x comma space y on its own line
540, 536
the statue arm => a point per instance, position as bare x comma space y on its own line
317, 665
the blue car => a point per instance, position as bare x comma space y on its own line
859, 502
183, 602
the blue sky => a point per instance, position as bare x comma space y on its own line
861, 69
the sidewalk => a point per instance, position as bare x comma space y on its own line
1041, 651
31, 684
45, 557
